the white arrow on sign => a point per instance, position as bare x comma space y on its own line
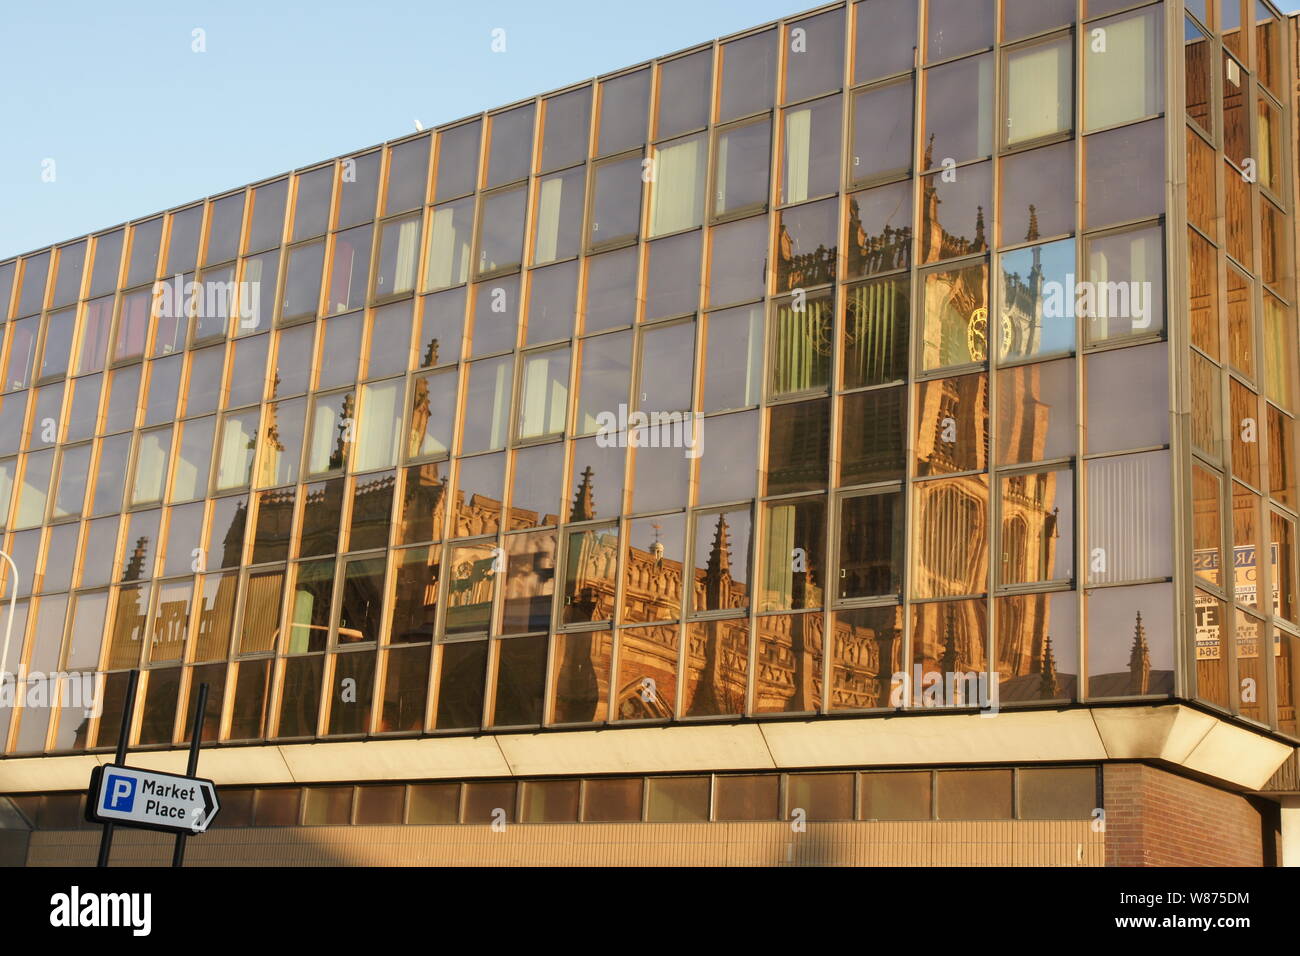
129, 796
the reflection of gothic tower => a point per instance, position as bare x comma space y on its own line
1139, 661
232, 544
885, 251
419, 415
430, 357
936, 241
584, 503
950, 661
717, 572
712, 692
1021, 329
134, 570
340, 455
1051, 687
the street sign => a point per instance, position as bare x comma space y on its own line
131, 797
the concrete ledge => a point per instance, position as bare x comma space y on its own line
1010, 737
1171, 733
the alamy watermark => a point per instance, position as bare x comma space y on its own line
624, 429
933, 689
211, 299
78, 690
1089, 299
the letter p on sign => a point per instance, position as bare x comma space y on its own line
119, 794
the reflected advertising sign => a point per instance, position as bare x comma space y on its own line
1245, 586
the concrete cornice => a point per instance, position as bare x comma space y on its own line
1172, 734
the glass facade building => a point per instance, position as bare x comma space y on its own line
904, 355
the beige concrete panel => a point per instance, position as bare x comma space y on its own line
1237, 755
1192, 739
28, 774
1168, 731
943, 738
224, 766
426, 758
638, 750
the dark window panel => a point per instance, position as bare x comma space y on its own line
183, 240
495, 319
624, 105
104, 275
352, 691
521, 672
884, 38
550, 801
70, 268
552, 303
358, 189
300, 705
266, 221
742, 167
566, 129
327, 806
442, 328
510, 150
146, 238
408, 175
955, 27
1037, 200
535, 498
973, 794
958, 111
458, 155
461, 675
225, 223
580, 678
1022, 18
406, 688
814, 56
748, 75
313, 195
750, 797
1120, 167
613, 800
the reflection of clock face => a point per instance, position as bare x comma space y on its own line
977, 335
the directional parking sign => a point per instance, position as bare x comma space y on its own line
128, 796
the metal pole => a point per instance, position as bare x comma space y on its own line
9, 628
196, 734
128, 709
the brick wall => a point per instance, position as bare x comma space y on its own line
1156, 818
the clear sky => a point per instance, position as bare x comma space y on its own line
136, 121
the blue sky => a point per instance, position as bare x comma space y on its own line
135, 121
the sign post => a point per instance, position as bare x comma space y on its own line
196, 735
123, 735
149, 800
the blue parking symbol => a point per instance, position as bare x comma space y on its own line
119, 793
